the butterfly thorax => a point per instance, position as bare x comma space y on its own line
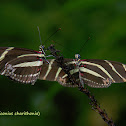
77, 59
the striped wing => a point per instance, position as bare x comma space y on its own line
102, 73
9, 53
53, 72
24, 69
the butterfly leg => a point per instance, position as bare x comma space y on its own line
80, 78
81, 81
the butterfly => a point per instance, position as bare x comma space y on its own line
92, 72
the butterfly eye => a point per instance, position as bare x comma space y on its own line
77, 56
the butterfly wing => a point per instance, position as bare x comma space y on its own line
102, 73
9, 53
52, 72
24, 69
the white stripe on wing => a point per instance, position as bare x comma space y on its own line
5, 52
113, 68
49, 69
29, 64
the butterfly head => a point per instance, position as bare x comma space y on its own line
41, 49
77, 56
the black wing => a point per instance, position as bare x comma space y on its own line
102, 73
24, 69
9, 53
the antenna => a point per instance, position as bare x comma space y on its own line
84, 44
39, 35
53, 34
41, 48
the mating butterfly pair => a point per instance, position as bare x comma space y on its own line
26, 66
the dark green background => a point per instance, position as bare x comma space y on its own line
103, 21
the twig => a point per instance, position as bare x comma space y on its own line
96, 106
93, 103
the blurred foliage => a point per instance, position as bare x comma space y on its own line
103, 21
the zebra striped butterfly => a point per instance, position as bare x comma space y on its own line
93, 72
26, 66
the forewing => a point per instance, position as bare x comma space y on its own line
9, 53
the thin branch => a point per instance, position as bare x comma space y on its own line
96, 106
93, 103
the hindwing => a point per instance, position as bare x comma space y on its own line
52, 72
23, 69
